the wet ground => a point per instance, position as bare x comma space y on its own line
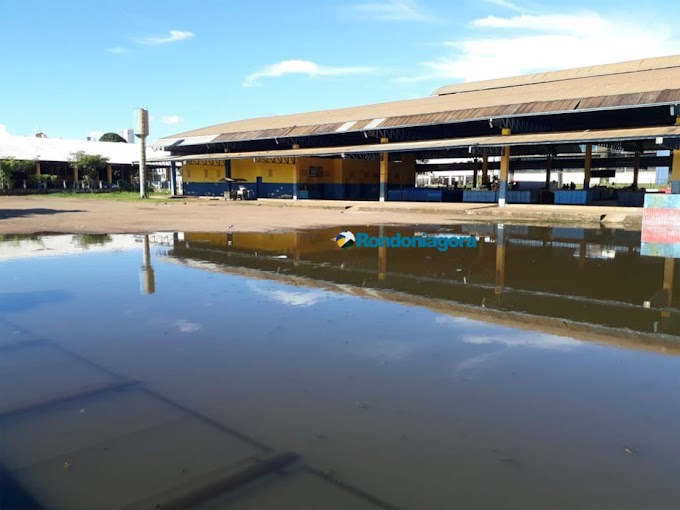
539, 369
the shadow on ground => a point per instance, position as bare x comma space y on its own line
18, 213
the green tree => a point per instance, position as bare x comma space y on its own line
87, 240
13, 170
112, 137
88, 165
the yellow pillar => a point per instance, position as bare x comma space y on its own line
636, 169
382, 262
384, 171
586, 166
296, 175
485, 167
296, 250
582, 254
75, 174
505, 171
109, 174
382, 256
500, 259
37, 168
675, 172
668, 273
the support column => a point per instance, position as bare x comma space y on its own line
296, 178
384, 171
500, 258
147, 274
675, 172
548, 171
475, 170
382, 256
296, 250
636, 169
109, 174
505, 171
173, 179
586, 166
37, 168
485, 168
75, 174
668, 274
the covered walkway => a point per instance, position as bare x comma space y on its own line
616, 114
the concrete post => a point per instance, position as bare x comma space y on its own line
475, 170
384, 172
485, 168
586, 166
675, 172
173, 178
500, 258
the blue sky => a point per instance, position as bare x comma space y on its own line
76, 68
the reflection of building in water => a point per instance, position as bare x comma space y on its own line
583, 276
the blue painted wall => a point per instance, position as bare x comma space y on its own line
210, 189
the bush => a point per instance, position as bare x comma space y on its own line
13, 171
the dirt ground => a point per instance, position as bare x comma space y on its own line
37, 214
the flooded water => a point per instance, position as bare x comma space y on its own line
538, 369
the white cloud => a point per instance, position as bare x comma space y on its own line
508, 337
174, 36
507, 5
530, 339
395, 10
304, 67
291, 298
185, 326
3, 130
300, 298
171, 119
525, 43
118, 50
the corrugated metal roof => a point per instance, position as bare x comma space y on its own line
480, 142
643, 82
57, 149
632, 66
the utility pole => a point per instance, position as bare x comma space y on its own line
142, 133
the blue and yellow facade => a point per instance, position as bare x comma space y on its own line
296, 177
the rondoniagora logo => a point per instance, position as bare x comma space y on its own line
345, 239
442, 242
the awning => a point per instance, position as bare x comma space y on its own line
662, 136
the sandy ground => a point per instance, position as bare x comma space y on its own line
36, 214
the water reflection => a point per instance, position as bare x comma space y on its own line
572, 275
279, 371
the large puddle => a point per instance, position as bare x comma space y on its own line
537, 370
